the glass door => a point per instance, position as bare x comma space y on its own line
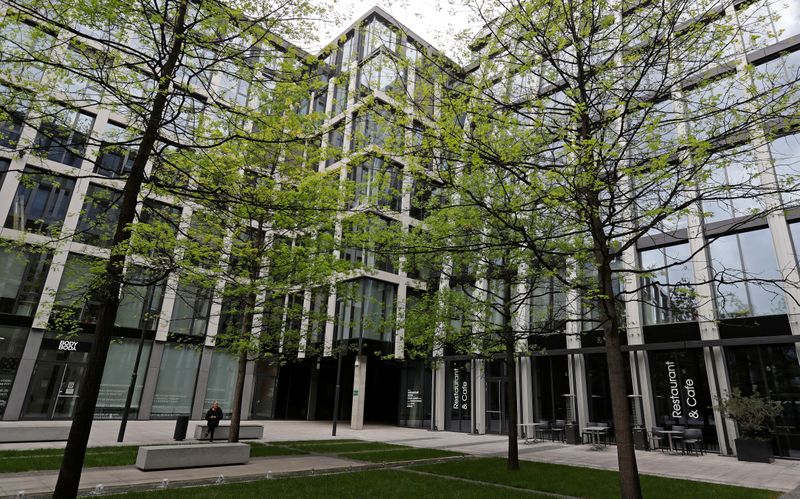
68, 392
496, 406
54, 390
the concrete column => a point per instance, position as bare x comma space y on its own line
200, 388
27, 363
525, 390
249, 387
640, 367
716, 370
479, 396
150, 380
439, 395
359, 392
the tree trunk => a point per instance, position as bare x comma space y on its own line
236, 410
511, 395
72, 464
246, 337
620, 406
511, 375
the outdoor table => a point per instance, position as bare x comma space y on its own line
595, 432
528, 433
669, 434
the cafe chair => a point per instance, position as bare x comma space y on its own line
693, 441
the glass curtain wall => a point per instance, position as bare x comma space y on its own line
176, 380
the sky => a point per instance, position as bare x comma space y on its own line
436, 21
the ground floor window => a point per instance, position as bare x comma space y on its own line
681, 395
176, 380
772, 371
458, 396
415, 399
12, 344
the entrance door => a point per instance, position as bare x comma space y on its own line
496, 406
54, 390
458, 413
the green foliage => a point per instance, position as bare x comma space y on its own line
754, 414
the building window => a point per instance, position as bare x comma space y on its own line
374, 128
22, 276
667, 293
377, 182
40, 203
117, 378
11, 347
335, 144
381, 73
786, 158
176, 380
12, 116
365, 310
63, 135
746, 275
377, 34
76, 296
139, 305
99, 216
116, 153
733, 186
191, 309
221, 379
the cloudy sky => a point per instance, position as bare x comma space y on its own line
436, 21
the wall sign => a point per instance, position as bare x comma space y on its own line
413, 398
66, 345
680, 394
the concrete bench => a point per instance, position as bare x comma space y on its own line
164, 457
246, 431
33, 433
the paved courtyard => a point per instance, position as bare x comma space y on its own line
782, 475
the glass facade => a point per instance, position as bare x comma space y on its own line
365, 310
40, 203
176, 380
681, 394
746, 275
222, 380
22, 276
117, 378
668, 293
773, 372
12, 343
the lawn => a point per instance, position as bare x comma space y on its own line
374, 452
586, 482
375, 483
13, 461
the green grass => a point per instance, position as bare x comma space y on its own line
396, 455
376, 483
586, 482
304, 443
258, 449
13, 461
342, 447
50, 459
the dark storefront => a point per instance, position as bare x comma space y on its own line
681, 394
458, 396
415, 396
772, 371
550, 382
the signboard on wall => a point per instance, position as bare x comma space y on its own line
66, 345
682, 394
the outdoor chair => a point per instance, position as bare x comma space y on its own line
558, 430
586, 437
657, 438
693, 441
543, 430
